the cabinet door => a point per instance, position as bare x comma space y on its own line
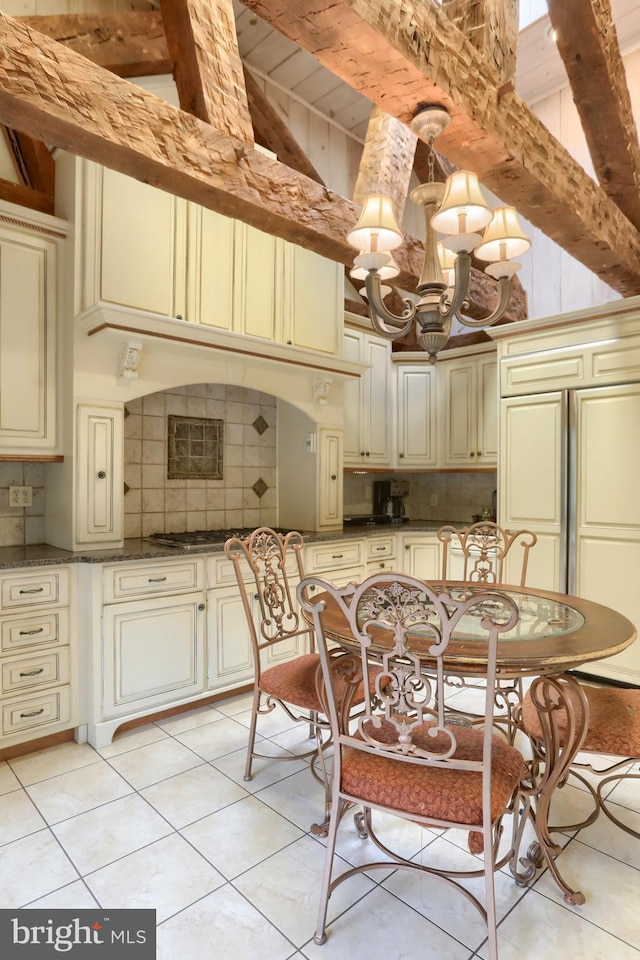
488, 405
99, 503
416, 415
352, 400
257, 283
211, 239
142, 245
153, 652
330, 458
315, 300
422, 557
28, 328
230, 653
532, 456
378, 402
460, 413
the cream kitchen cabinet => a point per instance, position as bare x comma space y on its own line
37, 679
134, 243
330, 492
153, 641
339, 561
313, 306
29, 291
416, 412
421, 555
367, 420
229, 645
470, 401
381, 554
99, 479
211, 241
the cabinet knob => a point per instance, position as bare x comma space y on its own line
333, 476
101, 474
407, 547
472, 454
201, 606
362, 453
401, 455
289, 343
367, 454
479, 454
179, 316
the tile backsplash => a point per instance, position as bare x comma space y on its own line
459, 494
246, 496
22, 525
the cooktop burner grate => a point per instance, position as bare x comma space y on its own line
199, 538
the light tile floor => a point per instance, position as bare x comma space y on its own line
162, 818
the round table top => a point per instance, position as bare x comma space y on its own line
555, 632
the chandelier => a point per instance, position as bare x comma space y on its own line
458, 210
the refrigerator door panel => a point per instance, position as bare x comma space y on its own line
607, 510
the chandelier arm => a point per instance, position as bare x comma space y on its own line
504, 295
402, 324
449, 308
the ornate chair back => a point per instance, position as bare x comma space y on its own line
485, 547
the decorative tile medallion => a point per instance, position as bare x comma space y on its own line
260, 488
260, 425
195, 448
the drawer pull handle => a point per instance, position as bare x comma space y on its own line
380, 548
337, 556
33, 713
31, 673
31, 633
157, 579
33, 590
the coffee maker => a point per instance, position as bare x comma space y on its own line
388, 499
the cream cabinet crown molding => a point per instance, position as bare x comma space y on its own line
108, 322
16, 216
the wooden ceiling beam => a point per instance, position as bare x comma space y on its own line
202, 42
588, 44
63, 99
402, 56
492, 27
386, 161
27, 197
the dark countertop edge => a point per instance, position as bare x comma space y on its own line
43, 554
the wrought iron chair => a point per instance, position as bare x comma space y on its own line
485, 547
400, 756
263, 564
586, 717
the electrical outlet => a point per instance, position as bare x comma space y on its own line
434, 500
20, 496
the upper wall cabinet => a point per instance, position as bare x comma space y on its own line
470, 412
29, 289
416, 415
368, 402
148, 250
135, 244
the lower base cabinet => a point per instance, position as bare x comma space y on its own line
422, 557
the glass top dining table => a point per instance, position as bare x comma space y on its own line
555, 632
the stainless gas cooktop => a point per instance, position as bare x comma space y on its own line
203, 538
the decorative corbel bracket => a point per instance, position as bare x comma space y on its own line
321, 387
129, 360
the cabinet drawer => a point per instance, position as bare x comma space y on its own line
221, 572
33, 631
332, 556
381, 548
42, 669
26, 589
144, 580
40, 710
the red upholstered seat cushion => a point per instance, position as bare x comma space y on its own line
295, 683
614, 720
438, 793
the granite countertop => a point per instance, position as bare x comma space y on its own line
42, 554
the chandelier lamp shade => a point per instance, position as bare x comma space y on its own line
460, 224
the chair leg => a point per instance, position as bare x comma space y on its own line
252, 733
320, 935
490, 898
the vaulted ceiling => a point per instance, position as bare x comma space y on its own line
61, 85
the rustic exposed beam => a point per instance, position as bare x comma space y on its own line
129, 45
588, 44
201, 36
404, 55
386, 161
492, 27
109, 121
26, 197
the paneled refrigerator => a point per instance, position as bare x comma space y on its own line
570, 471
